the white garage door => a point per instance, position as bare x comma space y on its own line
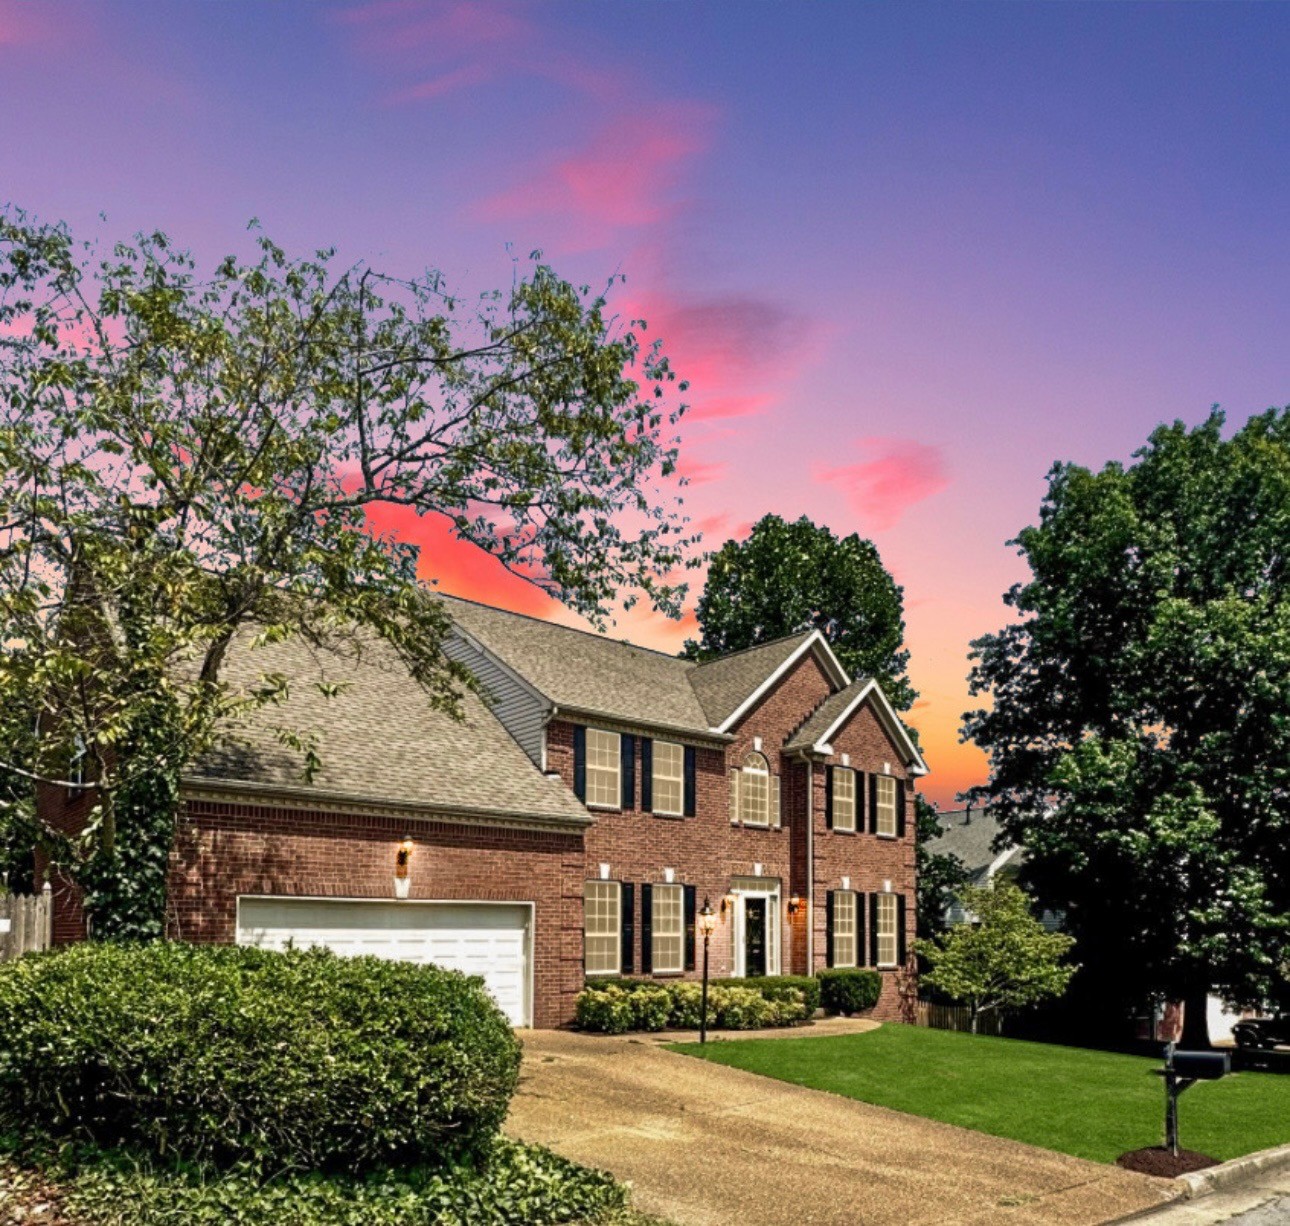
486, 939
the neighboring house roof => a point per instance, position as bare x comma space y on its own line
814, 735
380, 741
970, 834
725, 684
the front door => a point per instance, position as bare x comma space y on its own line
754, 937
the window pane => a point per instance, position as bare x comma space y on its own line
844, 799
844, 928
601, 927
603, 763
668, 927
886, 805
886, 929
669, 778
754, 791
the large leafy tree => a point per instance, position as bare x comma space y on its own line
1140, 730
189, 455
786, 577
1002, 959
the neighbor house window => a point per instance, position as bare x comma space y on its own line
754, 791
669, 778
844, 928
601, 927
844, 799
886, 823
667, 924
604, 762
887, 929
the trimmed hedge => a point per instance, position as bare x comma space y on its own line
849, 990
780, 987
275, 1060
619, 1005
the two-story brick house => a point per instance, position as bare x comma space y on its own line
569, 826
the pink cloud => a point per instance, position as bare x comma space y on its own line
696, 472
899, 474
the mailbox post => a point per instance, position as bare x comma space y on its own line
1182, 1070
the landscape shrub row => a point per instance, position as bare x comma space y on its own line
219, 1054
849, 990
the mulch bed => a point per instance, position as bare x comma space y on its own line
1157, 1160
26, 1199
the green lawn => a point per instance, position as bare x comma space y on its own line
1089, 1103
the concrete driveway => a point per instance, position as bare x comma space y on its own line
705, 1145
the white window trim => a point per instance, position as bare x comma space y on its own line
855, 943
678, 779
894, 934
618, 770
838, 773
618, 928
882, 809
657, 894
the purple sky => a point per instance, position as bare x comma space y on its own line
909, 255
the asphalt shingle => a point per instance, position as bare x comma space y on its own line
722, 684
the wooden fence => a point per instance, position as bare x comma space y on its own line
957, 1017
24, 923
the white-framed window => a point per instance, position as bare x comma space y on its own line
887, 904
602, 927
754, 791
604, 764
667, 929
844, 928
844, 798
668, 781
886, 814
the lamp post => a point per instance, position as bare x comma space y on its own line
707, 922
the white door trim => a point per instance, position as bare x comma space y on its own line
771, 894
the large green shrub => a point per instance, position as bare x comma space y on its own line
615, 1006
849, 990
781, 988
605, 1009
218, 1053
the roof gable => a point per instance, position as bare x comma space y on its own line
834, 712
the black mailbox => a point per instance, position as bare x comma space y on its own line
1202, 1065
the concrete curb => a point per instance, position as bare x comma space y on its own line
1238, 1171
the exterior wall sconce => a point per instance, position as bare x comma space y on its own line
794, 904
727, 904
402, 866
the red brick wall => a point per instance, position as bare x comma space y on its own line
869, 860
224, 850
69, 816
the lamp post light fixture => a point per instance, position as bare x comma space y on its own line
707, 922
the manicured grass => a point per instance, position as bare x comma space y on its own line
1089, 1103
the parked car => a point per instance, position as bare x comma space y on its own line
1265, 1032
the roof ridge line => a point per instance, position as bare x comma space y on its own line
782, 638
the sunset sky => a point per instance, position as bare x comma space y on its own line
907, 255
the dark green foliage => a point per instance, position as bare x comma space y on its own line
940, 877
786, 577
297, 1060
508, 1184
1137, 732
849, 990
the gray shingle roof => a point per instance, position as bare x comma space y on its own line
969, 834
587, 672
821, 719
722, 685
380, 740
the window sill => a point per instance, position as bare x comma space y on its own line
602, 974
892, 837
604, 808
849, 833
673, 816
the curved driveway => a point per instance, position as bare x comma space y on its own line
706, 1145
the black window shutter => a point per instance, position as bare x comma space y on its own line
873, 929
900, 808
691, 806
860, 929
828, 928
580, 762
647, 929
873, 804
862, 806
900, 930
689, 927
828, 801
627, 901
627, 781
647, 775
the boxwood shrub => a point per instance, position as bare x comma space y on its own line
615, 1006
223, 1054
849, 990
781, 988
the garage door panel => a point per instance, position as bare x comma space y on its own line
484, 939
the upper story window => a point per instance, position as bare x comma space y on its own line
604, 764
754, 791
602, 927
886, 807
668, 778
844, 798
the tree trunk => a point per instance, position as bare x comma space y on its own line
974, 1015
1195, 1030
